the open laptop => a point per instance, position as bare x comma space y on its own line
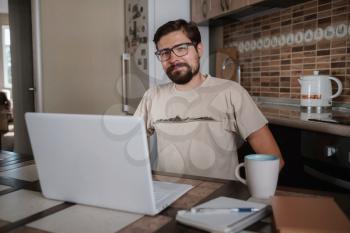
98, 160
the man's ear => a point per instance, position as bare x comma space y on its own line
200, 49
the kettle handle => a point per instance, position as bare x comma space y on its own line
340, 87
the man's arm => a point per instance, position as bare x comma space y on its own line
263, 142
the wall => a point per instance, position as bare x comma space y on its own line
82, 43
4, 20
277, 48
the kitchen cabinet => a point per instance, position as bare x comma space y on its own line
251, 2
313, 160
199, 10
237, 4
218, 12
219, 7
203, 10
240, 4
288, 140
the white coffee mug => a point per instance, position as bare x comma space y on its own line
261, 173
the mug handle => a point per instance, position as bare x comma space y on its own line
237, 174
340, 87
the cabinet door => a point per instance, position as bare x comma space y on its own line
202, 10
238, 4
219, 7
251, 2
199, 10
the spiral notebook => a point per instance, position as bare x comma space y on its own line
224, 222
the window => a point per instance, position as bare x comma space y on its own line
6, 54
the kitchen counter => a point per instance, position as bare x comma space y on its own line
288, 113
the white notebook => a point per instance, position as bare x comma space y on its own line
226, 221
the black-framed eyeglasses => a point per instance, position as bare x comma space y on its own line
179, 50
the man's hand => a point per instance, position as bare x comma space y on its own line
263, 142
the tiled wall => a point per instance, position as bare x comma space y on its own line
276, 49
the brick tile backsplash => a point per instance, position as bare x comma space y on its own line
276, 49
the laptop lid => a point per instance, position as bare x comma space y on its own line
97, 160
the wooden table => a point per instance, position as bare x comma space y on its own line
204, 190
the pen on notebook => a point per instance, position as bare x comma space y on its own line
223, 210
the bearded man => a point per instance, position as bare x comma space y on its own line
200, 121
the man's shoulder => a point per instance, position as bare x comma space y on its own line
228, 84
159, 89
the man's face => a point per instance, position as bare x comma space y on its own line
180, 69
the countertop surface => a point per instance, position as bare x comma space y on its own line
289, 114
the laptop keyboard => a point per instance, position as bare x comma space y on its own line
162, 190
160, 196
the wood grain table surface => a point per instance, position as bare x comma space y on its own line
204, 189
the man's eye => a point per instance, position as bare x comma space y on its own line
164, 53
181, 48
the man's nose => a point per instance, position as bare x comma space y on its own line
173, 57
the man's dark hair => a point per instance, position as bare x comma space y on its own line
189, 28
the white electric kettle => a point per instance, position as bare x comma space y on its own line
316, 90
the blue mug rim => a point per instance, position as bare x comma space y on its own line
261, 157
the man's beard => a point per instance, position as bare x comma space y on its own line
181, 77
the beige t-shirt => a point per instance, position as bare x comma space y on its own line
199, 131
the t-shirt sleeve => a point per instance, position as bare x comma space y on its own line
143, 110
248, 117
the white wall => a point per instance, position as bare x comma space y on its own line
4, 8
4, 20
82, 42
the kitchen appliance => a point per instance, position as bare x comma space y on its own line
141, 69
227, 64
316, 92
326, 161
